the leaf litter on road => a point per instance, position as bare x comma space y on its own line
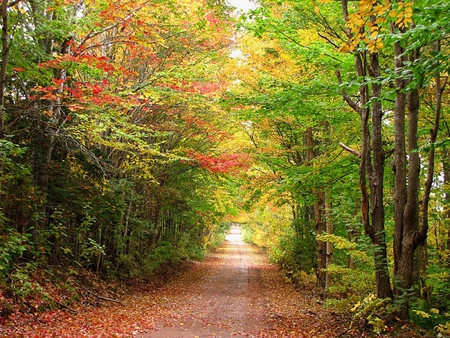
235, 292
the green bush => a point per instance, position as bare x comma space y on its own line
294, 254
438, 280
348, 286
21, 283
247, 234
163, 254
372, 311
12, 246
428, 318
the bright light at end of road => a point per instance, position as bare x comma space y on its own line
235, 235
242, 5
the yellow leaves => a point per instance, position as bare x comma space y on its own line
376, 45
378, 324
265, 57
380, 20
409, 10
422, 314
371, 18
374, 34
404, 14
380, 10
366, 5
307, 36
345, 48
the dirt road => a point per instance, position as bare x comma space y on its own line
224, 301
237, 293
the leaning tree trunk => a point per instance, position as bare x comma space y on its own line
422, 232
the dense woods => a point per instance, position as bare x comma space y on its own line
134, 132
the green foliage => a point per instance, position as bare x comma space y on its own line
217, 236
12, 246
163, 254
429, 318
434, 313
295, 253
355, 250
438, 281
21, 283
247, 234
348, 286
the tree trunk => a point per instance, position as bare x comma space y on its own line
446, 166
402, 266
329, 245
319, 206
376, 181
407, 235
4, 64
3, 67
422, 232
321, 252
372, 206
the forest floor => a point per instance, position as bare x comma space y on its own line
234, 292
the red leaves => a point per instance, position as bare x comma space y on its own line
207, 87
81, 92
223, 163
202, 88
90, 60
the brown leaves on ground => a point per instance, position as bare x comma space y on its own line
235, 292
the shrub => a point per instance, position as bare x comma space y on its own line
12, 246
372, 311
348, 286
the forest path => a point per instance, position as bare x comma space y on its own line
221, 301
234, 292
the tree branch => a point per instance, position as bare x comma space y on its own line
347, 98
350, 150
103, 298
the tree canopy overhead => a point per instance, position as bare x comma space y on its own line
133, 132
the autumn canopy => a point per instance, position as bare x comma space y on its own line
133, 133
